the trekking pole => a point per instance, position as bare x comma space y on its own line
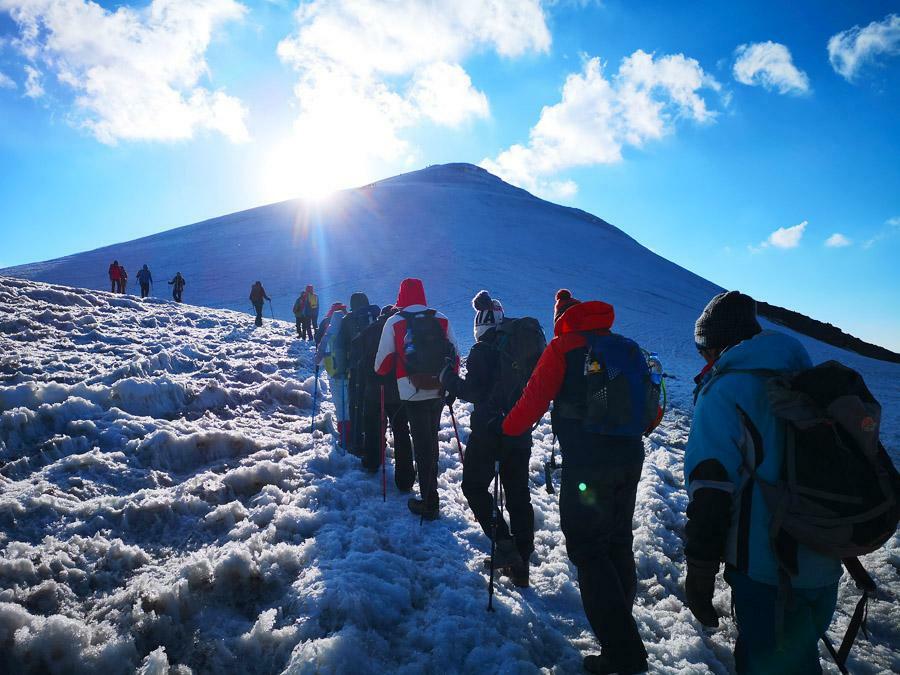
271, 310
312, 421
548, 469
456, 431
494, 519
383, 443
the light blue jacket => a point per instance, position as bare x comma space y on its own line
721, 432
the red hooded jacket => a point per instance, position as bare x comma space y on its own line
547, 378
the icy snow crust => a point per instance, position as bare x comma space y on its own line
164, 504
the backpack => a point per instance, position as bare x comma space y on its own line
425, 348
334, 364
621, 397
838, 492
519, 344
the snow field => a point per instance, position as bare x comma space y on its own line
165, 509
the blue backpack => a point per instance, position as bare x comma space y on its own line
622, 394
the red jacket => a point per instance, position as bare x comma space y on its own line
390, 349
115, 272
547, 378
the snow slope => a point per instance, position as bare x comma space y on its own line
163, 505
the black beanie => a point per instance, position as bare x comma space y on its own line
358, 301
729, 318
482, 301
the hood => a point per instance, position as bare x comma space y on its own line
586, 316
358, 301
309, 288
769, 350
412, 292
336, 307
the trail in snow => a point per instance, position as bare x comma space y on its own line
163, 503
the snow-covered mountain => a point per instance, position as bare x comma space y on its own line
165, 506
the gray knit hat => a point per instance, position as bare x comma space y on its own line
729, 318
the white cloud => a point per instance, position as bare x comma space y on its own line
135, 72
6, 82
34, 87
597, 117
891, 228
783, 238
368, 70
837, 240
849, 50
444, 93
769, 64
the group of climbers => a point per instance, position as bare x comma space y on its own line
118, 278
398, 367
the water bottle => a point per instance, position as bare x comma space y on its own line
655, 367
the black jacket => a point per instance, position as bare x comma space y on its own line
365, 346
480, 384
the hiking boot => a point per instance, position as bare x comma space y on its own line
600, 665
417, 506
507, 555
508, 562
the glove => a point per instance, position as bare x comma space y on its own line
495, 425
698, 590
448, 377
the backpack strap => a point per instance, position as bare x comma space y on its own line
866, 584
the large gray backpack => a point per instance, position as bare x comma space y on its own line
838, 492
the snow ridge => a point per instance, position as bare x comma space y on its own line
166, 508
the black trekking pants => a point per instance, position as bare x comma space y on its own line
356, 407
145, 290
300, 328
424, 422
596, 522
176, 294
483, 449
258, 306
306, 325
404, 471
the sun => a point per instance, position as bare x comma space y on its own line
289, 170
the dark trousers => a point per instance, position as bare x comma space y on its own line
483, 448
300, 328
176, 294
424, 422
258, 306
145, 290
596, 522
807, 616
115, 285
404, 471
306, 326
356, 404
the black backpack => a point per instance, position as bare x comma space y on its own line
520, 343
425, 348
838, 492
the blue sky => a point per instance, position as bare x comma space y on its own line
754, 143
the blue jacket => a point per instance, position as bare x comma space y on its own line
733, 424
